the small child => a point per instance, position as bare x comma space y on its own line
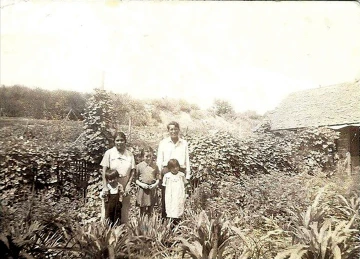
174, 182
147, 178
113, 197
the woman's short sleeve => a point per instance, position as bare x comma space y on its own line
133, 166
106, 159
137, 172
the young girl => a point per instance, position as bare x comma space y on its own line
174, 182
147, 178
112, 197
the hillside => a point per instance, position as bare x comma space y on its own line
199, 121
62, 105
240, 125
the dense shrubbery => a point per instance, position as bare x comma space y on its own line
222, 108
263, 186
30, 156
265, 152
221, 154
127, 108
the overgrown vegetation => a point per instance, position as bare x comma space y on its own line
21, 101
271, 195
265, 152
97, 125
317, 231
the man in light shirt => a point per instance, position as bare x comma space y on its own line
172, 147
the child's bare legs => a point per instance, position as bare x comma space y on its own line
150, 210
174, 222
143, 211
147, 210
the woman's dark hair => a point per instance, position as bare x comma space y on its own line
172, 164
120, 134
111, 174
174, 123
146, 150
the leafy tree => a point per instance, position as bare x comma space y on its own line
185, 106
62, 102
97, 124
222, 107
21, 101
127, 108
12, 100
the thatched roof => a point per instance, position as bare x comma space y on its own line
323, 106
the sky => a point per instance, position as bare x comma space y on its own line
252, 54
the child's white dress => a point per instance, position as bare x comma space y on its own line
174, 194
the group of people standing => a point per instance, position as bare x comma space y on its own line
169, 173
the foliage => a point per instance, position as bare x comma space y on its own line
126, 108
142, 237
147, 112
59, 105
97, 240
28, 164
348, 207
324, 241
222, 108
261, 196
312, 147
248, 247
249, 199
253, 181
42, 156
98, 117
187, 107
236, 156
209, 237
201, 194
316, 236
307, 149
205, 153
40, 173
153, 235
26, 241
39, 156
28, 232
289, 152
173, 105
21, 101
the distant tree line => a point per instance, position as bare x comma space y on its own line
21, 101
37, 103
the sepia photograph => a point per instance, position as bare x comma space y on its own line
179, 129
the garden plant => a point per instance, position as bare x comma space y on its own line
269, 195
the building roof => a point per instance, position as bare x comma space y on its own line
322, 106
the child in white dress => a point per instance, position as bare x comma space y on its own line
174, 182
